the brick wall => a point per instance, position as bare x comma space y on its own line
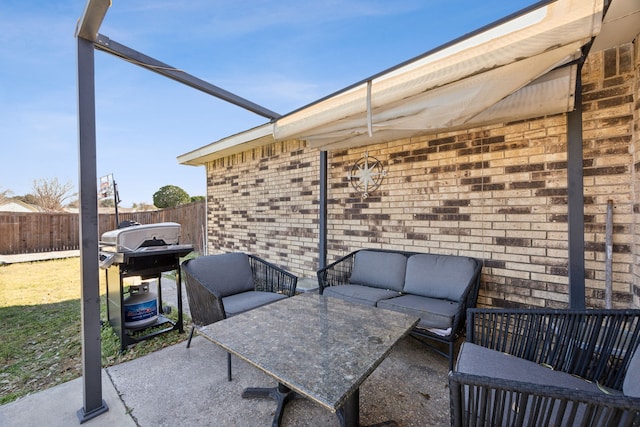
608, 80
498, 193
265, 202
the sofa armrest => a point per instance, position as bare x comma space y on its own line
336, 273
268, 277
479, 400
468, 299
595, 344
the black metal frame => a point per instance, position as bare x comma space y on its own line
280, 394
596, 345
339, 273
205, 303
147, 265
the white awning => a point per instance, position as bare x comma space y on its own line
507, 72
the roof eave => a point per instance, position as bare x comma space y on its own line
252, 138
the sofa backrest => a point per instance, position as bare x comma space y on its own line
385, 270
226, 274
439, 276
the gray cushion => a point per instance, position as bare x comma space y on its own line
245, 301
438, 276
226, 274
433, 313
477, 360
631, 383
383, 270
359, 294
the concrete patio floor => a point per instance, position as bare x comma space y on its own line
180, 386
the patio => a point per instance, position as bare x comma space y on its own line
410, 387
180, 386
497, 183
184, 386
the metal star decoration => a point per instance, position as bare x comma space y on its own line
366, 175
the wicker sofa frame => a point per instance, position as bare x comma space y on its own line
206, 303
596, 345
339, 273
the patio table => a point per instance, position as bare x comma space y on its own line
318, 347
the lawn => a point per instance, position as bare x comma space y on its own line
41, 344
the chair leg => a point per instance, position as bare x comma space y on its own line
451, 355
229, 366
193, 328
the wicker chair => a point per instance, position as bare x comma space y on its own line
220, 286
548, 367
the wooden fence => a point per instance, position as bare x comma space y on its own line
49, 232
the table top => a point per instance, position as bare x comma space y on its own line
321, 347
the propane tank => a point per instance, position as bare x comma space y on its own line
140, 307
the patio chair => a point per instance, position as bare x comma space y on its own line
220, 286
548, 367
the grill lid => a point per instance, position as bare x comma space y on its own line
133, 238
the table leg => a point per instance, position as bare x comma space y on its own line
281, 394
349, 413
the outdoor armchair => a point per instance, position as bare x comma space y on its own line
548, 367
220, 286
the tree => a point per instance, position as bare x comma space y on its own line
197, 198
170, 196
27, 198
107, 203
50, 195
4, 195
143, 206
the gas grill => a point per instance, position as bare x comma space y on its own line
135, 257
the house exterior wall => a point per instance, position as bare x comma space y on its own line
265, 202
498, 193
608, 99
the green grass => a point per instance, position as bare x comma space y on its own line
41, 344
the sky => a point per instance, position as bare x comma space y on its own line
280, 54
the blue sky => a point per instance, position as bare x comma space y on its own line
279, 54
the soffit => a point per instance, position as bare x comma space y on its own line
621, 24
252, 138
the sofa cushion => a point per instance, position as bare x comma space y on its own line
245, 301
383, 270
631, 383
433, 312
438, 276
225, 274
359, 294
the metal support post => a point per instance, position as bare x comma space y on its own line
575, 187
93, 405
322, 255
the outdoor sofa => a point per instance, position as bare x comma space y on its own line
223, 285
545, 367
436, 288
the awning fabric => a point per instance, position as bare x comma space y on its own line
508, 72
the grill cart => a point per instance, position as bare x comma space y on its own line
134, 259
